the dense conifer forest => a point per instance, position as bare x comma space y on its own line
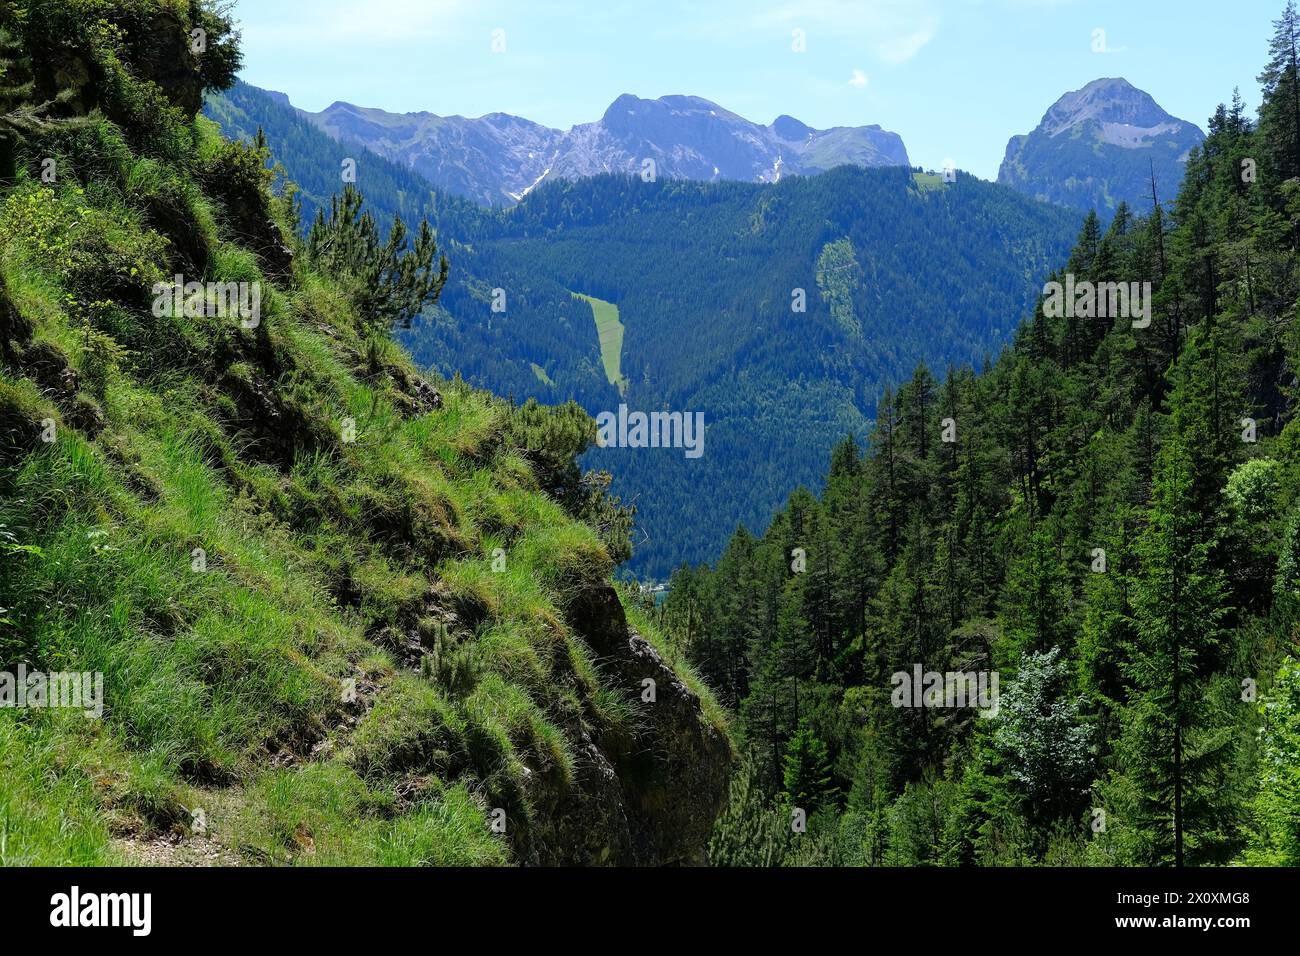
1107, 518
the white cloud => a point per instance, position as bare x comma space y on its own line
894, 30
859, 79
903, 48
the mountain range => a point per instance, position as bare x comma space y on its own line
1094, 148
606, 299
498, 159
1100, 146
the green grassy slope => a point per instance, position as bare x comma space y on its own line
343, 615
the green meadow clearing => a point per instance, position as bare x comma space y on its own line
610, 330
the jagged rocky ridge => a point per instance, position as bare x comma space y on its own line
499, 158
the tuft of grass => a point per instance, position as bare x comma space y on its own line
411, 727
326, 815
509, 716
50, 812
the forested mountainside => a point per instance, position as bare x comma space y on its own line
779, 312
889, 268
339, 612
1107, 521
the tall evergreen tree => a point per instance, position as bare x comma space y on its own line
1279, 113
1172, 752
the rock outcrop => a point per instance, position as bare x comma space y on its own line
650, 800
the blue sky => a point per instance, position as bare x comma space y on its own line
955, 78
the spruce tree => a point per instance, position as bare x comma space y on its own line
808, 782
1171, 752
1279, 114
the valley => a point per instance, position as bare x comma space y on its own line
395, 489
698, 266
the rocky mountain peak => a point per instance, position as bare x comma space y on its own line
1107, 100
1099, 146
790, 129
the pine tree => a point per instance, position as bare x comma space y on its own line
1037, 596
391, 283
917, 821
885, 468
750, 832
